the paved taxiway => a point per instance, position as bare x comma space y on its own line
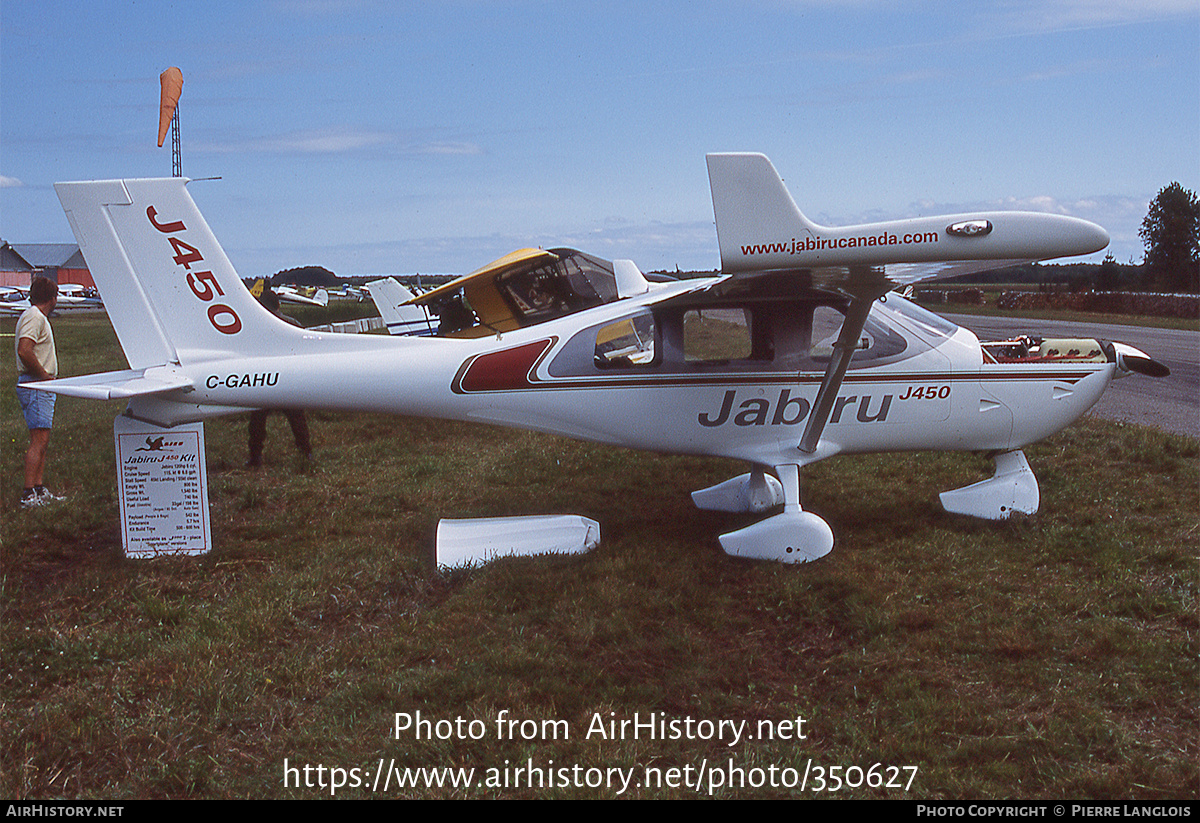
1170, 403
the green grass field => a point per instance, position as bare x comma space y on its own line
928, 656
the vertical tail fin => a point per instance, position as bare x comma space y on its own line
630, 280
171, 293
390, 297
752, 207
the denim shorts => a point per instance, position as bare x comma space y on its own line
38, 406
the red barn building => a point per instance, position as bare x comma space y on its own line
60, 262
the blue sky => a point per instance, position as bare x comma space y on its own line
382, 137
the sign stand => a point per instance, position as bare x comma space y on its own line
163, 483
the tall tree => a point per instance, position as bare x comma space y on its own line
1171, 232
1109, 276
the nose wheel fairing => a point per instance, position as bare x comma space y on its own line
790, 537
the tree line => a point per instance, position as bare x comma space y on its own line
1171, 232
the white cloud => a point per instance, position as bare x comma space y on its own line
340, 141
447, 147
1039, 15
9, 182
324, 141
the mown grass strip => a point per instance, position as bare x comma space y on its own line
1050, 656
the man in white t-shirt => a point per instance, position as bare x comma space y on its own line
37, 360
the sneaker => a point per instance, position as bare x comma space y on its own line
48, 496
30, 498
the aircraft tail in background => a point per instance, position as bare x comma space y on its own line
390, 298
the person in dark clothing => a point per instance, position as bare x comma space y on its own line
296, 417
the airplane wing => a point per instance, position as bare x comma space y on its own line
521, 258
760, 229
767, 243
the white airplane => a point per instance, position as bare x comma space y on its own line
348, 292
78, 291
303, 296
392, 300
71, 298
823, 360
10, 294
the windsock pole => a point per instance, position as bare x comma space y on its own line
176, 154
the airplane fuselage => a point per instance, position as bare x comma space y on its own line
943, 397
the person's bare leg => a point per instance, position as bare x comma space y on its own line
35, 457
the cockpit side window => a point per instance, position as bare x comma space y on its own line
778, 336
792, 336
929, 322
626, 343
534, 293
877, 343
589, 277
716, 336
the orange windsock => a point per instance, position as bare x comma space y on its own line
172, 85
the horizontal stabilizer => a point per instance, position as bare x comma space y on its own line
118, 385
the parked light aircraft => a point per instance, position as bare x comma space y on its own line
71, 298
392, 300
305, 296
519, 289
825, 361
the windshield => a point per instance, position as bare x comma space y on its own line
925, 320
573, 282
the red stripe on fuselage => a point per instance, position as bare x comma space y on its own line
506, 370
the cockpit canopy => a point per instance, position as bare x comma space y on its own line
784, 335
